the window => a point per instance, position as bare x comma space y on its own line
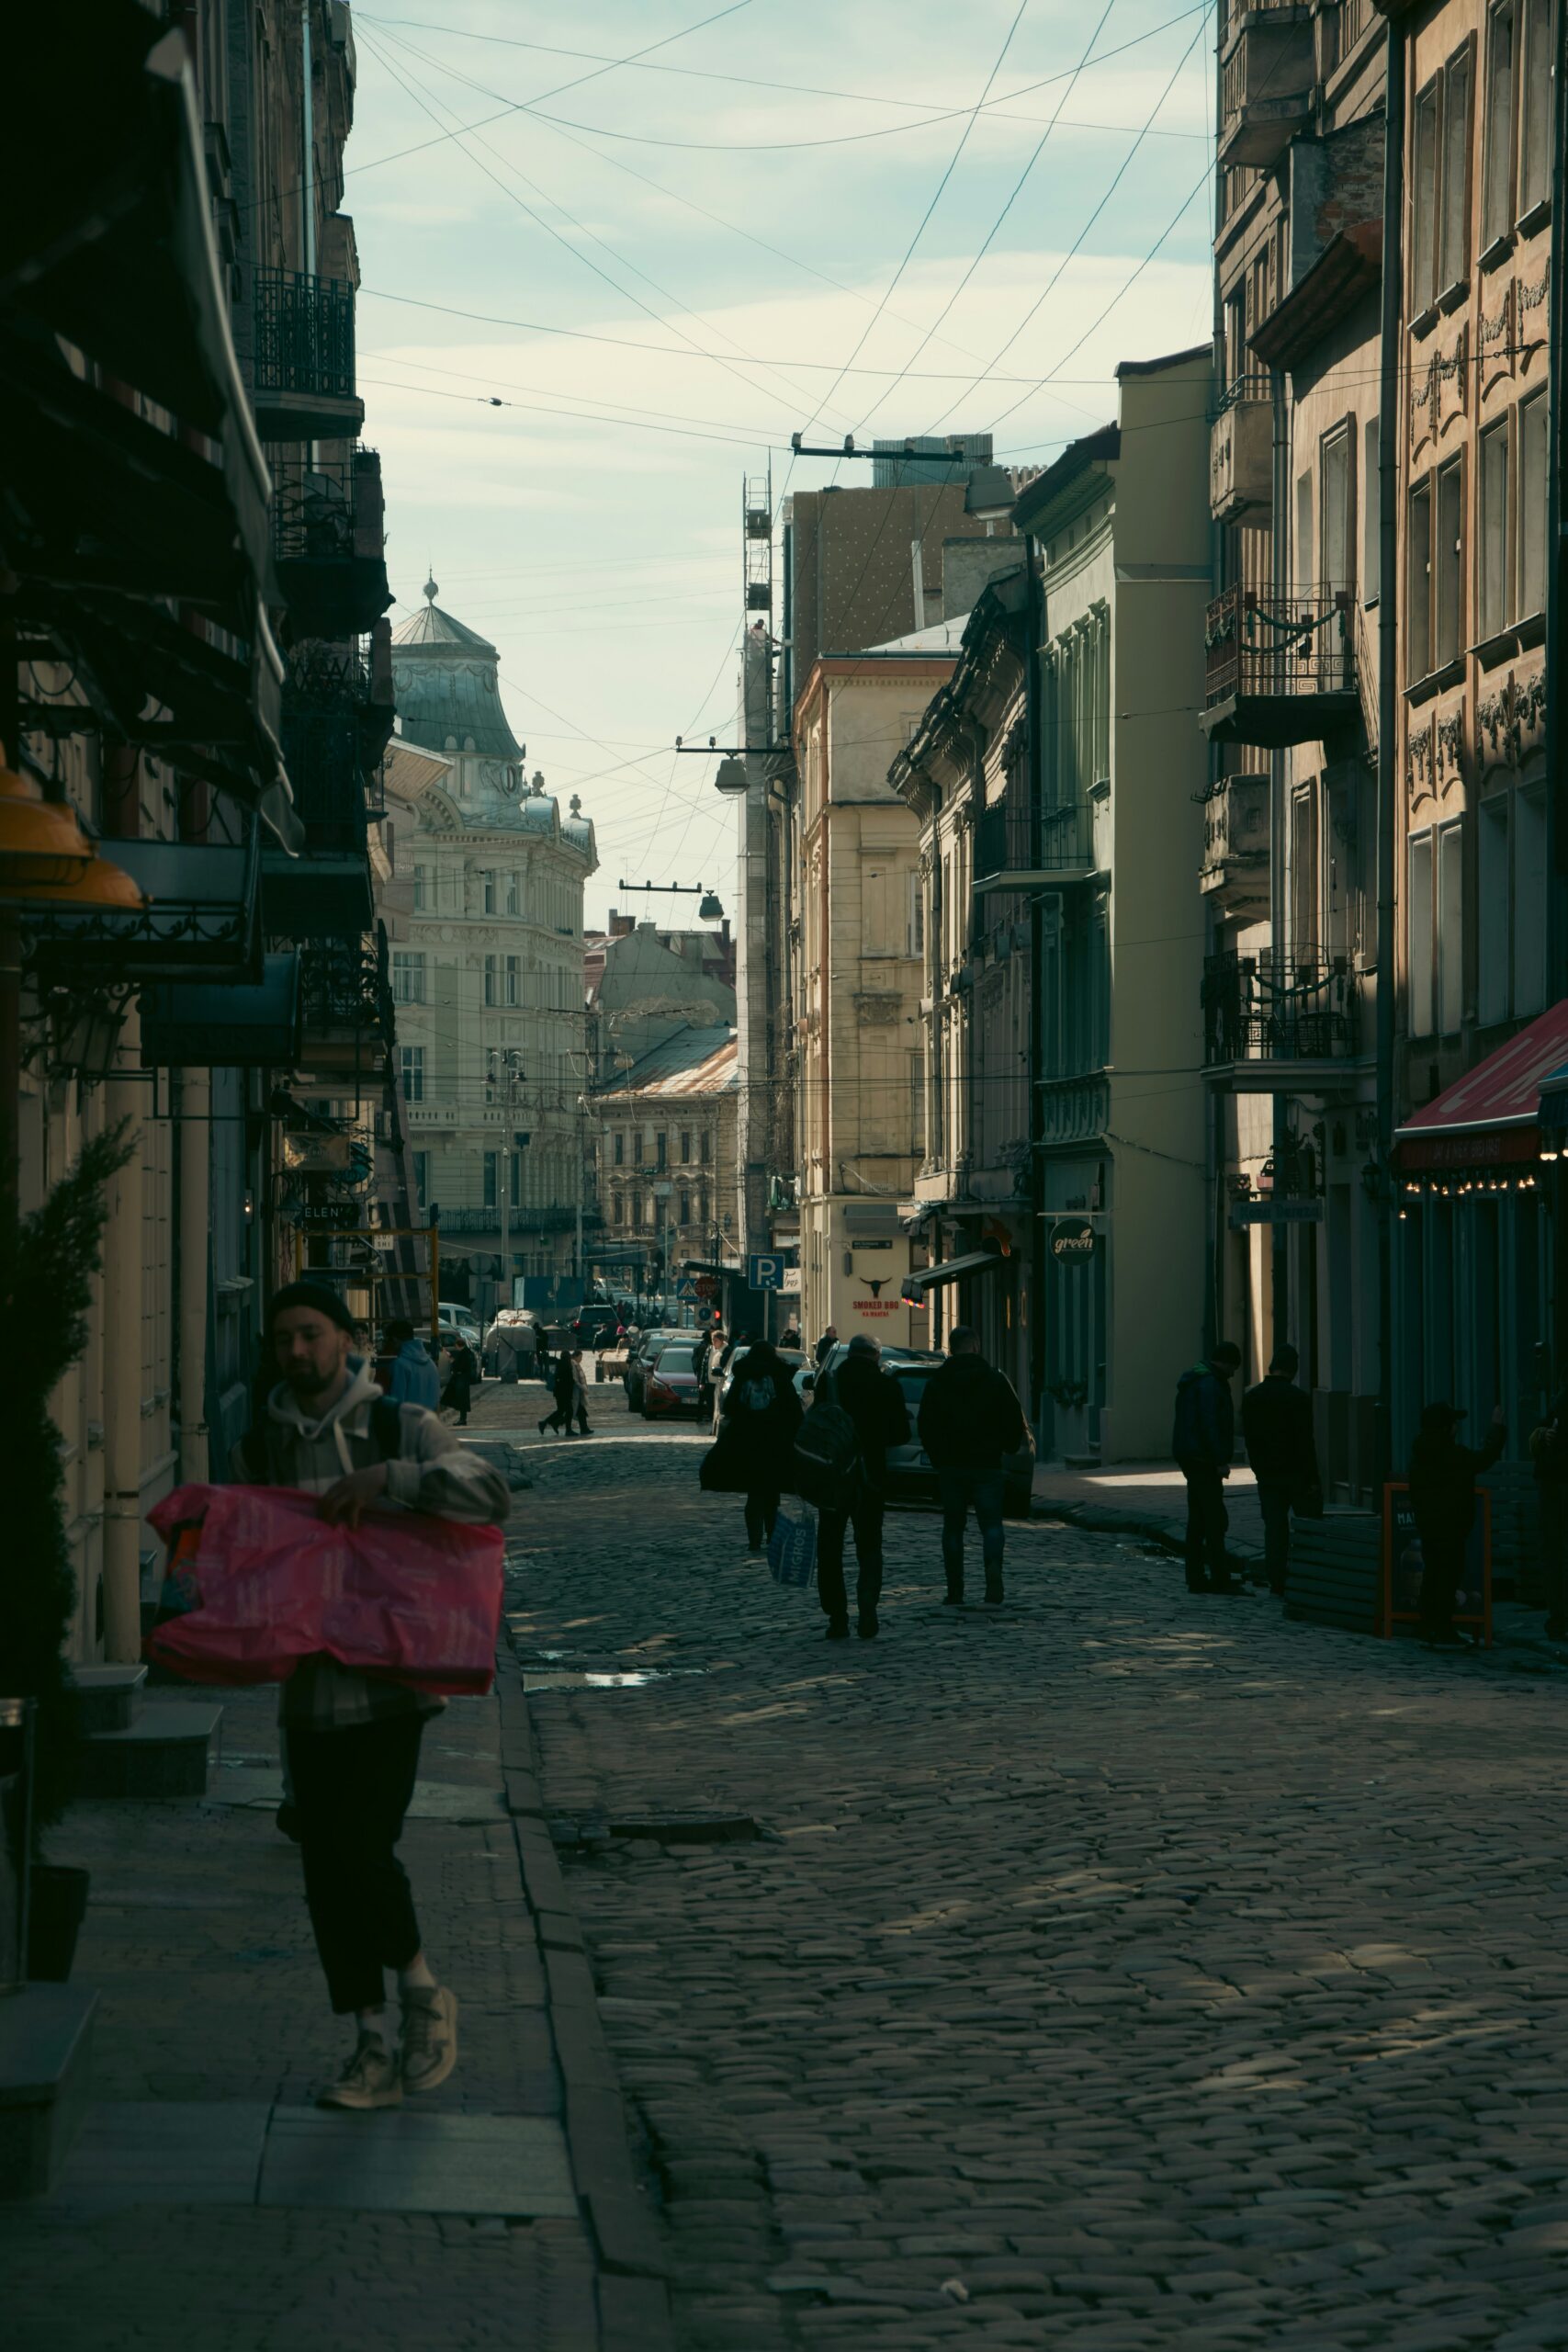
707, 1148
685, 1206
1420, 616
514, 894
661, 1148
686, 1146
1454, 236
618, 1143
1303, 870
637, 1148
491, 962
422, 1178
1372, 513
1529, 899
491, 1192
487, 881
408, 975
414, 1073
1451, 927
1494, 569
1497, 174
1533, 470
424, 889
1419, 898
915, 944
515, 1177
1424, 223
1448, 564
1492, 942
1337, 495
1306, 575
514, 980
1535, 109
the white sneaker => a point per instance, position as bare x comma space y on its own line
370, 2078
430, 2037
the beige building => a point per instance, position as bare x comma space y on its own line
664, 1134
858, 918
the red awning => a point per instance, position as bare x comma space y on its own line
1488, 1116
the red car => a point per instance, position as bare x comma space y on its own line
669, 1386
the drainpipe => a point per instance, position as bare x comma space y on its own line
1280, 583
1033, 634
1557, 651
307, 143
124, 1244
195, 1145
1389, 411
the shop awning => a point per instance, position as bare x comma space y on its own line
1488, 1118
199, 921
1554, 1115
952, 1270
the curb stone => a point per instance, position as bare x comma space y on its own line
634, 2302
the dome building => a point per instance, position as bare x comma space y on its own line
487, 970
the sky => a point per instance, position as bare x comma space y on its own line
670, 234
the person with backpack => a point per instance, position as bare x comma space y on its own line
352, 1740
1442, 1476
760, 1416
414, 1377
969, 1418
856, 1413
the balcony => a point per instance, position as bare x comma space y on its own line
329, 544
1241, 452
346, 1012
1236, 826
325, 891
1280, 669
304, 358
1277, 1023
1006, 858
199, 922
1265, 81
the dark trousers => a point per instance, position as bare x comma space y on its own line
1442, 1559
1274, 1501
1554, 1550
761, 1510
866, 1517
351, 1789
961, 1491
1207, 1519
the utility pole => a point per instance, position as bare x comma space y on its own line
506, 1174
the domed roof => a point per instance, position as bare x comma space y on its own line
445, 674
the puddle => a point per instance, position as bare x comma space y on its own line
582, 1677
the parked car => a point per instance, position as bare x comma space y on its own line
642, 1357
594, 1327
796, 1359
457, 1323
910, 1472
670, 1386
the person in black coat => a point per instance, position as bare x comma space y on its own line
460, 1380
875, 1403
760, 1416
1442, 1479
969, 1418
1275, 1424
563, 1388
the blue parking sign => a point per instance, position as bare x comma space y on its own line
765, 1273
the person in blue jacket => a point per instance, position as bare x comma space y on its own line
414, 1379
1203, 1442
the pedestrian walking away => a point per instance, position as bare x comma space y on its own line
563, 1387
829, 1341
414, 1378
578, 1402
875, 1403
708, 1348
761, 1414
1548, 1453
352, 1740
792, 1335
1276, 1425
1203, 1442
1442, 1477
458, 1394
969, 1418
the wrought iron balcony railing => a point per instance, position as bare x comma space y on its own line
343, 986
1280, 669
304, 377
1279, 1007
1008, 857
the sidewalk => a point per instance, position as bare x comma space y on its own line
209, 2204
1146, 1499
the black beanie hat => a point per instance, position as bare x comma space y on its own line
313, 1295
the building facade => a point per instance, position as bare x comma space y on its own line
665, 1140
486, 975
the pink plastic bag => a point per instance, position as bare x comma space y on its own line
265, 1581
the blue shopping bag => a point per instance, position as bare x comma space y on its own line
792, 1547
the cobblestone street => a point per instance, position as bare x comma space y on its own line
1110, 1971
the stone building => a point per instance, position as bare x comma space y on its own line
487, 975
665, 1133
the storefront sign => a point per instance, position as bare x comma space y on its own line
1273, 1212
882, 1306
1073, 1239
